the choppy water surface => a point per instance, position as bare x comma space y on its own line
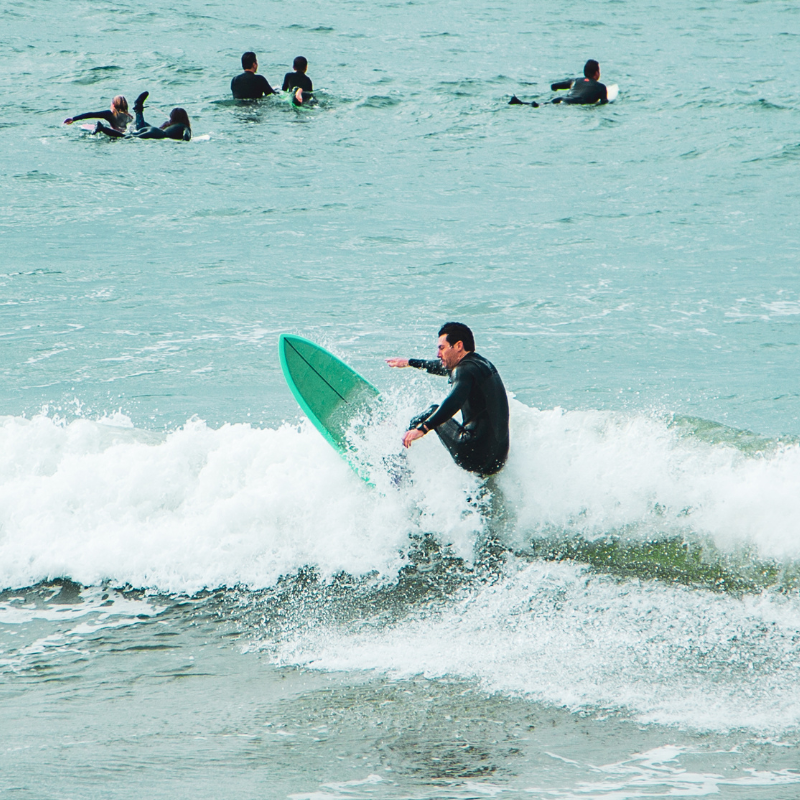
198, 598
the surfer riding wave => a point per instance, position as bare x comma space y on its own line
480, 443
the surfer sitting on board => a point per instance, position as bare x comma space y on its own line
117, 117
480, 443
298, 82
248, 85
586, 90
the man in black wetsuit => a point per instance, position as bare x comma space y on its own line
586, 90
248, 85
480, 443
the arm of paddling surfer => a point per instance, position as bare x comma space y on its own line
480, 444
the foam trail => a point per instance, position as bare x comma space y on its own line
558, 635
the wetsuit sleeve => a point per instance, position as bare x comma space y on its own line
106, 115
267, 88
462, 386
286, 84
434, 367
603, 93
554, 87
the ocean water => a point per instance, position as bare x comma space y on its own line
200, 599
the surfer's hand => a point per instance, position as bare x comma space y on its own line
397, 362
69, 121
411, 436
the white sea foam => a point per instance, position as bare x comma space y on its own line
201, 507
659, 773
556, 634
594, 472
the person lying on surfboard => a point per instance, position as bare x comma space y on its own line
586, 90
480, 443
117, 116
177, 127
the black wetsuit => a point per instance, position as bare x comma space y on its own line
480, 444
297, 80
583, 92
179, 132
119, 121
143, 130
249, 86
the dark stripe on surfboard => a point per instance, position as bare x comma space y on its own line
316, 372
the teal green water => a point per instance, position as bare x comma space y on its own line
197, 596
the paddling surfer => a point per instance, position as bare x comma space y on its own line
117, 116
584, 91
177, 127
480, 443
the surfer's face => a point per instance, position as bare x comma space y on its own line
449, 354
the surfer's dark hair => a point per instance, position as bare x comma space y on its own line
178, 116
248, 59
458, 332
590, 68
300, 63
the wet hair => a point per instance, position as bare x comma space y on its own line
179, 117
120, 104
248, 60
300, 64
591, 68
458, 332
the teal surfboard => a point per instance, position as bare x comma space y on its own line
330, 392
290, 99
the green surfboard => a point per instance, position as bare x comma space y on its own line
330, 392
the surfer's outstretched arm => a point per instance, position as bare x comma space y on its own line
104, 115
434, 366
